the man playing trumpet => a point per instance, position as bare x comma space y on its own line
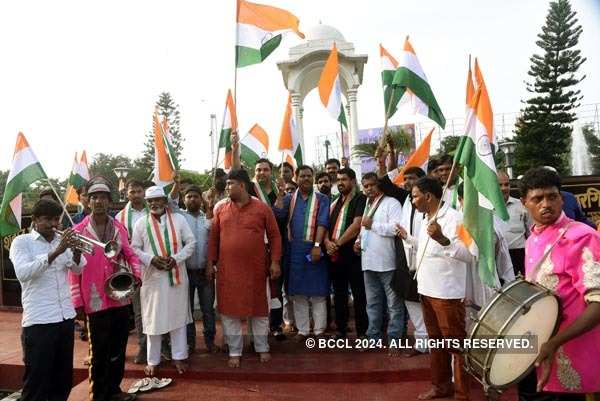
41, 260
108, 319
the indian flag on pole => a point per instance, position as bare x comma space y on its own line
389, 65
80, 175
229, 126
289, 139
330, 90
416, 96
169, 143
482, 195
164, 170
259, 31
25, 170
485, 120
419, 158
254, 146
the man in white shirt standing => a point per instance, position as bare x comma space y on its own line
41, 260
378, 255
135, 209
441, 274
516, 229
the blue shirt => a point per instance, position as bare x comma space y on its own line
200, 226
573, 210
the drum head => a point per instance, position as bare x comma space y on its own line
509, 366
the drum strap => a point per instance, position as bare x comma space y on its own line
533, 274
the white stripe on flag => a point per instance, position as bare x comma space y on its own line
252, 36
255, 145
22, 159
334, 103
410, 61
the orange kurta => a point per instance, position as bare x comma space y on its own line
237, 243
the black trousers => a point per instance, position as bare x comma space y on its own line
348, 271
517, 257
527, 392
48, 358
276, 314
108, 330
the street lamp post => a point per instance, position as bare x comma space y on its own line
121, 173
508, 147
327, 145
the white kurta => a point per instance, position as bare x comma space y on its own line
164, 307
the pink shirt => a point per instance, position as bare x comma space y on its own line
87, 289
572, 272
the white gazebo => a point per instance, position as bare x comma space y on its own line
301, 73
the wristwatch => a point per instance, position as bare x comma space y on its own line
317, 245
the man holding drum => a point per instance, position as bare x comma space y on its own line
564, 256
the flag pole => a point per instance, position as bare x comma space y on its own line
237, 12
60, 201
342, 139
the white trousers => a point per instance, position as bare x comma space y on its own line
232, 330
288, 310
415, 312
302, 314
179, 348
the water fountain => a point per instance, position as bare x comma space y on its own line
580, 157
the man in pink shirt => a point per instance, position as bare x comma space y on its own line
108, 319
567, 363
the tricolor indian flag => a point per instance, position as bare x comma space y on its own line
80, 175
254, 146
164, 168
229, 126
169, 143
259, 31
419, 158
330, 90
289, 139
416, 96
485, 116
482, 195
25, 170
389, 65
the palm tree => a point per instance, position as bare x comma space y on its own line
400, 138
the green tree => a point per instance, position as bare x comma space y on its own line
401, 139
169, 109
593, 143
103, 164
543, 131
448, 145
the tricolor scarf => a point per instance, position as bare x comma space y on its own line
165, 243
309, 229
262, 195
340, 223
371, 207
127, 218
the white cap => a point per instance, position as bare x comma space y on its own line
98, 187
155, 192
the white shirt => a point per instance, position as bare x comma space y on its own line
516, 229
378, 248
443, 270
46, 293
410, 243
135, 216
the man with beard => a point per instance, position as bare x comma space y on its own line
107, 318
217, 192
324, 184
442, 171
345, 216
238, 251
562, 255
164, 241
307, 214
135, 209
286, 170
41, 260
331, 168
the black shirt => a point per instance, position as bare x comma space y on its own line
356, 207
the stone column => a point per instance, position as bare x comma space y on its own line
297, 111
353, 128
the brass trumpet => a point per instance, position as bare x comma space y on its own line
86, 245
122, 283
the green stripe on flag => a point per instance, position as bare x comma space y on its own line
298, 155
246, 56
248, 156
225, 139
405, 78
342, 116
387, 92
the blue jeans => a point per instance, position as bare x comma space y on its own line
378, 286
206, 295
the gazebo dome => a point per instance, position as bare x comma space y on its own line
324, 32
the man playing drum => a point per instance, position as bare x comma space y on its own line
564, 256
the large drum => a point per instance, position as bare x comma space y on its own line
520, 309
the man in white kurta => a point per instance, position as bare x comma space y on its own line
163, 241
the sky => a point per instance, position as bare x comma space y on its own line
86, 75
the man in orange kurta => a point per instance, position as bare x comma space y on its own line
237, 248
